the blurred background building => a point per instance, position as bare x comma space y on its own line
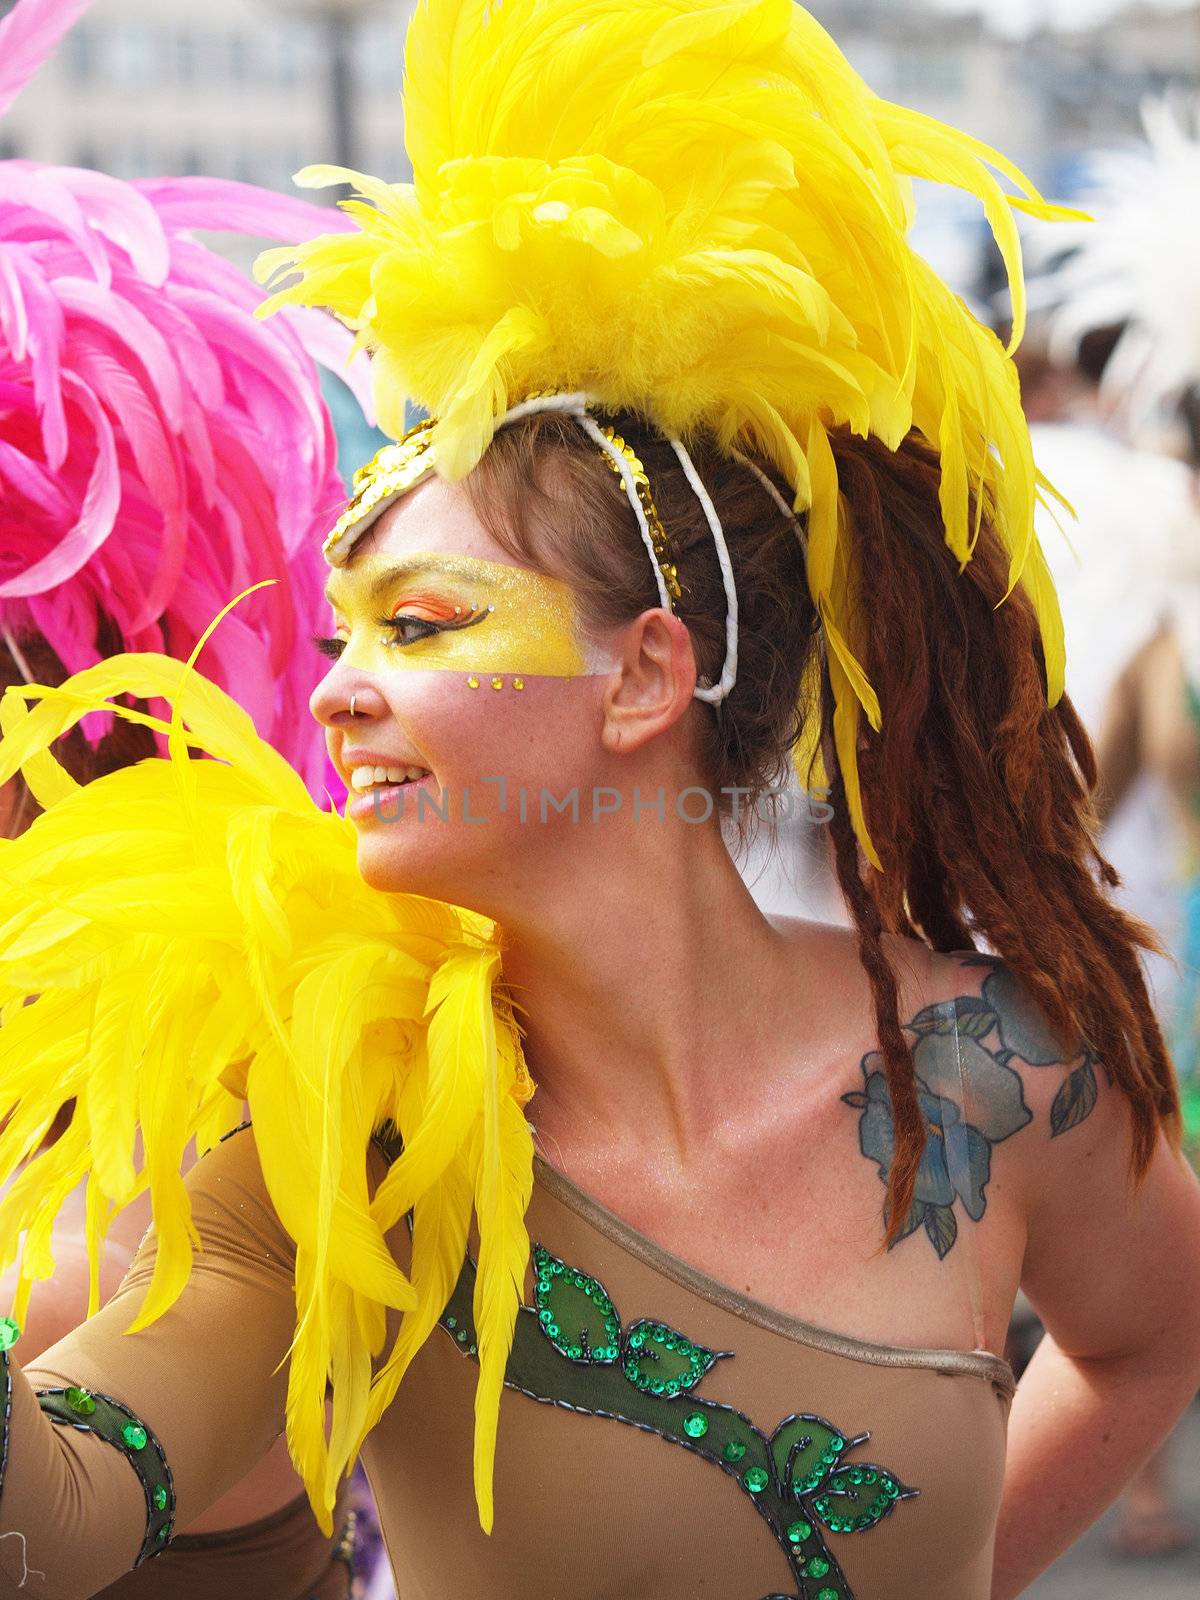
254, 89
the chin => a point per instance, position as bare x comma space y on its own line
396, 866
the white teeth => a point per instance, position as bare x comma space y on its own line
364, 778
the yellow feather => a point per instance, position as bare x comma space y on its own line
246, 957
553, 240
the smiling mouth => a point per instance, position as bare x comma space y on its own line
364, 779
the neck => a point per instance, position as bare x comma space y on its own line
645, 982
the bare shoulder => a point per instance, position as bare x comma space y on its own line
999, 1091
1020, 1076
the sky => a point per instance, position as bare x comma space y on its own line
1019, 17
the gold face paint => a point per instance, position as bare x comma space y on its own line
449, 613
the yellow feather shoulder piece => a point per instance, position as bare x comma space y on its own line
185, 935
698, 211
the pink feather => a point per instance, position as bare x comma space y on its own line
28, 34
161, 449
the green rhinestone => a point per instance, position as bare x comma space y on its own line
799, 1531
817, 1567
837, 1444
574, 1352
160, 1498
828, 1594
891, 1488
636, 1340
856, 1475
80, 1402
461, 1336
756, 1480
672, 1386
870, 1475
545, 1318
553, 1329
695, 1425
734, 1450
658, 1386
10, 1332
473, 1350
452, 1323
134, 1435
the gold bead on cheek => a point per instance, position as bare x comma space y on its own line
518, 683
497, 683
472, 682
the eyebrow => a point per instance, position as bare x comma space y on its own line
390, 574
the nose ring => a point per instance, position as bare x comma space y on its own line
353, 698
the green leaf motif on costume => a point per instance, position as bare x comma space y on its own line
661, 1361
1075, 1099
805, 1449
799, 1478
574, 1311
858, 1496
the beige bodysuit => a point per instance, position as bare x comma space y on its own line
661, 1436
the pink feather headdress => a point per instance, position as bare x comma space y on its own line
160, 449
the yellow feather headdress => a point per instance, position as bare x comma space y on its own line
173, 943
697, 211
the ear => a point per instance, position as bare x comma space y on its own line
653, 682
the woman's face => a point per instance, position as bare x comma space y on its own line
478, 705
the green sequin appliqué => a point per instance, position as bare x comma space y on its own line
570, 1348
90, 1412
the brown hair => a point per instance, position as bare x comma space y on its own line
976, 792
121, 746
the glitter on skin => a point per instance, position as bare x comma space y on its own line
517, 621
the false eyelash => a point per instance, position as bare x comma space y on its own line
329, 647
396, 625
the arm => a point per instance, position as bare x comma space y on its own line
1115, 1277
202, 1380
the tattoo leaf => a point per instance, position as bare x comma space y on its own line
912, 1222
1075, 1100
856, 1098
967, 1015
975, 1018
941, 1228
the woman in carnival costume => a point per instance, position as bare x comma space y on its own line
140, 470
716, 473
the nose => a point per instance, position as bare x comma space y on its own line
343, 697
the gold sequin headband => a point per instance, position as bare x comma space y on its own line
399, 467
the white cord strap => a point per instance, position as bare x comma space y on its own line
717, 692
